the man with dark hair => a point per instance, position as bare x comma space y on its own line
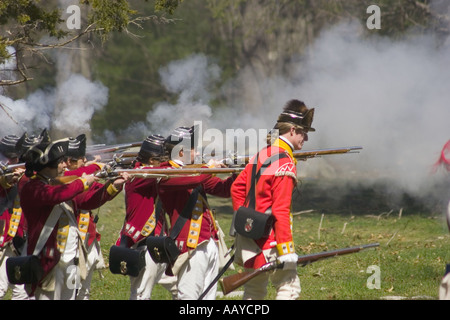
273, 174
52, 206
144, 218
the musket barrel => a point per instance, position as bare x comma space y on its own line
113, 148
300, 154
182, 171
322, 152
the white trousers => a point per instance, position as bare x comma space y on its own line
141, 287
18, 290
286, 283
198, 272
94, 256
66, 277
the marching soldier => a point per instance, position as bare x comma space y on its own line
143, 218
55, 208
196, 228
271, 194
12, 224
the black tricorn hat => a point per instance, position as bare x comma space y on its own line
45, 153
152, 147
26, 142
296, 112
8, 146
77, 147
180, 134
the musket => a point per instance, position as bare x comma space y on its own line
167, 173
6, 169
151, 173
112, 148
303, 155
236, 280
300, 155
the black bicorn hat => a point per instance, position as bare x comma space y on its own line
77, 147
180, 134
297, 113
41, 155
152, 147
8, 146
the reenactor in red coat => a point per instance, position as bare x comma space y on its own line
197, 237
272, 195
12, 223
77, 165
144, 218
55, 207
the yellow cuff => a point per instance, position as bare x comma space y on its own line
285, 248
86, 186
100, 165
112, 190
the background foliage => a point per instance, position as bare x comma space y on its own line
124, 43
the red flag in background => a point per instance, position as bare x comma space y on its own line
444, 159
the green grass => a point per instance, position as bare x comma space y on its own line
412, 255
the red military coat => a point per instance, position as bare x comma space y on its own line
273, 191
86, 221
174, 194
38, 198
140, 217
12, 222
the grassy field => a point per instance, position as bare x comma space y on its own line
411, 258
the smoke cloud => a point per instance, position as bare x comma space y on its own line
75, 101
390, 97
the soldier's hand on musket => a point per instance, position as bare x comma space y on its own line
14, 177
97, 158
213, 163
289, 260
89, 178
123, 177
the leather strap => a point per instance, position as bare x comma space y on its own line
185, 215
251, 199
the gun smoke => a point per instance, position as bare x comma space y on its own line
388, 96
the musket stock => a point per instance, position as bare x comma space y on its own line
234, 281
63, 179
